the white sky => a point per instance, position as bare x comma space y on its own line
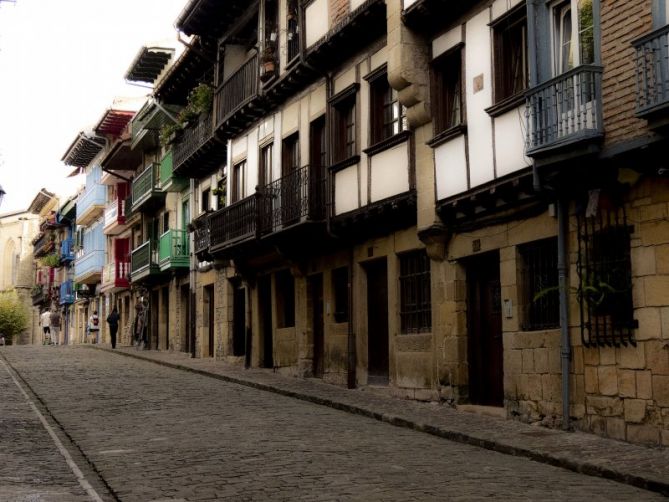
61, 66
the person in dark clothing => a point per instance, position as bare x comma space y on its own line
112, 320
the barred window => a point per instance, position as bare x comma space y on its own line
605, 279
415, 297
541, 307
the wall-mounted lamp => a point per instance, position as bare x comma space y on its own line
2, 194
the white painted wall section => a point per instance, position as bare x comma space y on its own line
500, 7
239, 147
346, 189
450, 164
446, 41
510, 142
390, 172
478, 52
316, 21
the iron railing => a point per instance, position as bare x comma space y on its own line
293, 48
604, 270
565, 109
233, 223
191, 139
201, 234
415, 295
652, 70
144, 257
540, 285
298, 196
237, 90
173, 249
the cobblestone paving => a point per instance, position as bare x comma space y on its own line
31, 467
156, 433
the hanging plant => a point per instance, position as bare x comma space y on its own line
52, 260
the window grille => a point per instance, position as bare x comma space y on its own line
540, 285
415, 296
605, 279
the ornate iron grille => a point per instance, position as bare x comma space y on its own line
605, 279
415, 296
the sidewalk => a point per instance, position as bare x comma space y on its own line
589, 454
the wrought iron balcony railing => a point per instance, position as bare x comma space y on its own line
294, 198
234, 223
174, 250
201, 234
565, 109
240, 88
652, 71
192, 138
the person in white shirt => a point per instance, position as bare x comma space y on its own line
94, 326
45, 322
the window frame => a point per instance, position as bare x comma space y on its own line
504, 35
344, 130
238, 180
442, 94
539, 291
382, 98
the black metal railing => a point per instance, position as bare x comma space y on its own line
144, 256
233, 223
565, 109
605, 279
295, 197
201, 234
652, 70
540, 293
237, 90
192, 139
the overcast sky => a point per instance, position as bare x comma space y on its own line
61, 66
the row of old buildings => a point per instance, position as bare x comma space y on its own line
458, 202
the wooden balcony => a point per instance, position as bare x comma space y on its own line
652, 76
146, 191
116, 275
115, 219
198, 151
66, 295
174, 250
169, 182
67, 250
235, 96
565, 111
201, 238
91, 204
43, 245
88, 266
144, 262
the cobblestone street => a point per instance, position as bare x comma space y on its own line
156, 433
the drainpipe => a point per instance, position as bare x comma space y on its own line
190, 331
565, 347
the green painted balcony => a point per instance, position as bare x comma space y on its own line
168, 181
146, 191
174, 250
144, 261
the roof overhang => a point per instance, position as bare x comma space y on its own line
83, 150
190, 67
210, 17
113, 122
121, 157
148, 64
41, 199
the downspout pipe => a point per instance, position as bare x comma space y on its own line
565, 345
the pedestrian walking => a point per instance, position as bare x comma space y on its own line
55, 327
112, 320
94, 326
45, 322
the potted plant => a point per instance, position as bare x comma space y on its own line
268, 61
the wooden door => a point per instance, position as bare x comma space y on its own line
484, 319
377, 322
238, 321
209, 317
